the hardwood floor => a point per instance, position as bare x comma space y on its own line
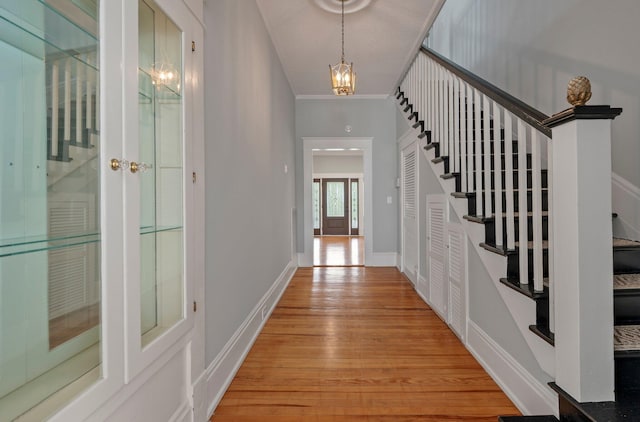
342, 251
358, 344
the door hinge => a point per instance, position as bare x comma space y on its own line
194, 177
195, 306
193, 46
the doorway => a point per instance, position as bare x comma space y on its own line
335, 207
315, 146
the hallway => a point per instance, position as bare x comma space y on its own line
358, 344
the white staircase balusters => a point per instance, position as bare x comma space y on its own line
486, 117
78, 126
523, 250
466, 163
536, 208
67, 102
508, 181
477, 121
497, 165
55, 98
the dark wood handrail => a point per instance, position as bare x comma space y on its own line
518, 108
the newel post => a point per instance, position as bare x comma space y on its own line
582, 250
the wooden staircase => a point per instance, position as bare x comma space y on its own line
626, 261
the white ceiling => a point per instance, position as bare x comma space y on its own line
380, 39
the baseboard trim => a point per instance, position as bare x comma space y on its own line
422, 288
183, 414
626, 203
382, 259
221, 371
530, 396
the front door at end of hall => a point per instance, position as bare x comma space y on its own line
335, 209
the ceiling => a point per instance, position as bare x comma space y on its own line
381, 37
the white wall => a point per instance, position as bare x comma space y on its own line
249, 137
531, 49
368, 118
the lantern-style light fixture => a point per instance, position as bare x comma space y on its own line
343, 78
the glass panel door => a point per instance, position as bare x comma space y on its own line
161, 172
50, 286
335, 199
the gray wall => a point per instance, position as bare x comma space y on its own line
368, 118
338, 164
250, 137
531, 49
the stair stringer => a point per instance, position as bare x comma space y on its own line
521, 308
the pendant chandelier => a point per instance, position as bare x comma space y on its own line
343, 78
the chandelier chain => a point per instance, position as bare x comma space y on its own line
342, 30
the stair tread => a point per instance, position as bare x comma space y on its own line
626, 281
623, 243
626, 338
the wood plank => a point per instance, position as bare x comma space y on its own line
358, 344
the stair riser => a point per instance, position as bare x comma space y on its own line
626, 260
514, 162
490, 230
626, 308
542, 313
513, 268
627, 374
471, 146
543, 179
545, 202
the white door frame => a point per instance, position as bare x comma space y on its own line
305, 259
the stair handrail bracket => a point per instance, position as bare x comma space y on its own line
583, 252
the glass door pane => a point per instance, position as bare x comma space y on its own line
161, 172
49, 204
335, 199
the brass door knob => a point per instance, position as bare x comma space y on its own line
139, 167
116, 164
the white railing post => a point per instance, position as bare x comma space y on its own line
477, 144
78, 125
486, 110
508, 180
523, 247
497, 165
583, 252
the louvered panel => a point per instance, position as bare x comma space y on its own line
436, 223
456, 310
436, 276
68, 267
436, 256
409, 188
456, 262
66, 219
67, 287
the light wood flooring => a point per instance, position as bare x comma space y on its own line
342, 251
358, 344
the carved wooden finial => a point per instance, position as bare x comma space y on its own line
579, 91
